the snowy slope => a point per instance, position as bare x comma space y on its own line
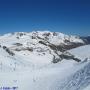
61, 76
82, 52
26, 61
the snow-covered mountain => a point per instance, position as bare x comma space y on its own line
44, 60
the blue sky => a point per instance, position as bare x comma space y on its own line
67, 16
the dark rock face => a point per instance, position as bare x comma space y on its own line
18, 44
67, 56
8, 51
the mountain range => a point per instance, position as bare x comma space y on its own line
44, 60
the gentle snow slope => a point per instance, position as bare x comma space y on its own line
82, 52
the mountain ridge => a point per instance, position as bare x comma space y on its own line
41, 42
